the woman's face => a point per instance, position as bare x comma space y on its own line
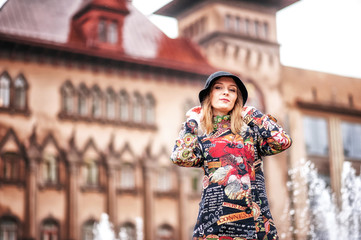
223, 95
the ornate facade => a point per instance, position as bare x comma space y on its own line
92, 97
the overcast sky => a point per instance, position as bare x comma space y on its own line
322, 35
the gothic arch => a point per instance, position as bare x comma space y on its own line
11, 136
93, 165
13, 160
52, 162
255, 95
165, 231
126, 154
20, 90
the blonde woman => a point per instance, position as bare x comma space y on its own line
228, 140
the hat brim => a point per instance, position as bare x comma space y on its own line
204, 92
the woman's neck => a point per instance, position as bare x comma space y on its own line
221, 122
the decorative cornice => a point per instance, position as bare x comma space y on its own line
329, 107
239, 36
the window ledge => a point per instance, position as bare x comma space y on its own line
130, 191
145, 126
329, 107
10, 110
92, 188
18, 183
195, 195
50, 185
166, 194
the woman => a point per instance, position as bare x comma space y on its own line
234, 204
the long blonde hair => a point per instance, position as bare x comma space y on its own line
235, 113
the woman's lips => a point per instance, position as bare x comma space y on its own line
224, 100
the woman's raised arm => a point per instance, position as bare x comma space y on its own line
187, 150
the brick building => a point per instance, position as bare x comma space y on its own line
92, 96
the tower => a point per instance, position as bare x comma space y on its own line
240, 36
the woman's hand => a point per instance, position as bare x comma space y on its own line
246, 110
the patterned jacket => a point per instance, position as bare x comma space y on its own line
234, 203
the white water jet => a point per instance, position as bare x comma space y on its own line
104, 229
322, 218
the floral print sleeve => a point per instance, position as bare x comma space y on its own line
187, 151
272, 139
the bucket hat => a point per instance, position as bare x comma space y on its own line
214, 76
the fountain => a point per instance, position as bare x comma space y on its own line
104, 230
322, 218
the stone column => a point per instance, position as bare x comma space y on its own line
183, 231
31, 193
72, 196
148, 200
112, 195
336, 156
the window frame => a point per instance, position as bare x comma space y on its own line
124, 106
15, 228
16, 165
68, 98
150, 109
24, 105
54, 234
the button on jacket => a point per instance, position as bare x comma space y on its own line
234, 203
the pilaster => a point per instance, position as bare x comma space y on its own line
72, 196
31, 193
148, 201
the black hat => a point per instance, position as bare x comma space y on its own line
214, 76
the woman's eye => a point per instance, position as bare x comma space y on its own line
217, 87
232, 90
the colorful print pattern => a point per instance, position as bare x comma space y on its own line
234, 203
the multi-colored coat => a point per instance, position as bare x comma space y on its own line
234, 203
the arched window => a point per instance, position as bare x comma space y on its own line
228, 22
91, 172
237, 25
96, 102
8, 228
255, 97
87, 230
49, 230
67, 92
50, 169
149, 109
12, 167
110, 104
83, 100
165, 232
127, 231
265, 30
108, 31
127, 177
20, 93
123, 106
137, 108
5, 83
102, 30
164, 183
257, 28
112, 32
247, 26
